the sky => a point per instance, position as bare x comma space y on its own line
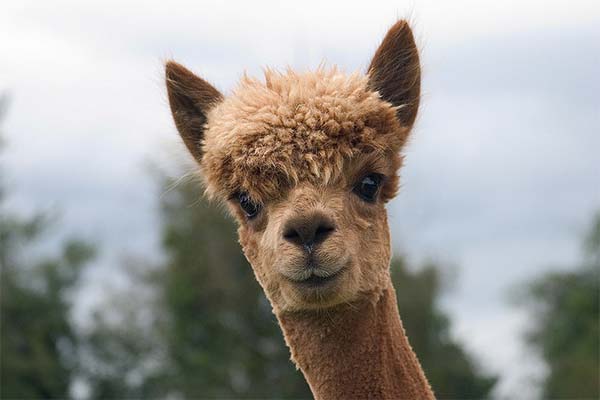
502, 172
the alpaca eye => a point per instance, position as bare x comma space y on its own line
368, 187
250, 208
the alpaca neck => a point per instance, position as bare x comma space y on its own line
356, 351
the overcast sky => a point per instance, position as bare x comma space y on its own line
502, 173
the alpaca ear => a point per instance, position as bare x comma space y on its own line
395, 72
190, 98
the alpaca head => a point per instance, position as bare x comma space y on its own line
306, 163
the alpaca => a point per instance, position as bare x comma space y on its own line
306, 163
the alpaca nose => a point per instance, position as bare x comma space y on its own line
308, 230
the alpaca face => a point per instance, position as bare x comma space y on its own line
306, 163
319, 245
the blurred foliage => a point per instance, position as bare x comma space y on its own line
565, 330
211, 332
37, 338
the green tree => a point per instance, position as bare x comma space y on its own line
37, 338
565, 310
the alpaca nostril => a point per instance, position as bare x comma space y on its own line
291, 234
308, 231
322, 232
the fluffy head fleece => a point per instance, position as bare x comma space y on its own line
294, 128
306, 163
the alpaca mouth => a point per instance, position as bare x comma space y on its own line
316, 279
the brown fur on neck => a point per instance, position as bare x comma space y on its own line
356, 351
